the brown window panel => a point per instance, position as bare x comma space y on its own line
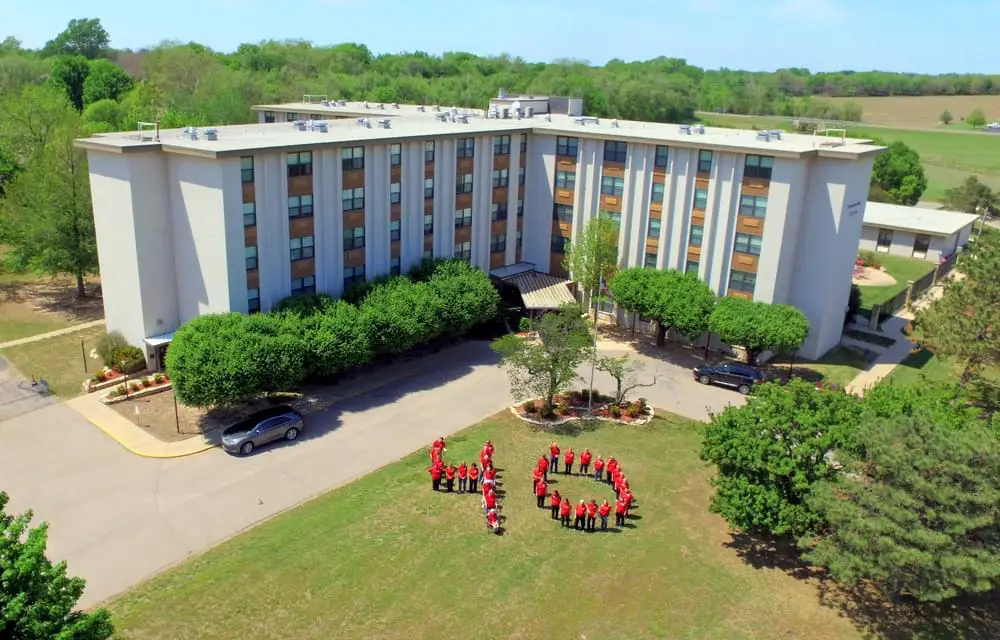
520, 223
463, 234
394, 249
652, 245
564, 229
752, 226
698, 216
465, 165
300, 227
659, 176
702, 176
613, 169
354, 219
463, 201
354, 257
497, 259
428, 243
250, 236
523, 157
303, 268
500, 194
564, 196
701, 182
248, 192
300, 185
745, 262
428, 170
429, 206
501, 162
354, 178
611, 203
694, 253
395, 211
566, 165
656, 207
756, 186
253, 279
746, 295
498, 226
520, 192
395, 174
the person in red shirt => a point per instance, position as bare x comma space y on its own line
554, 457
554, 501
539, 477
585, 462
484, 459
610, 468
493, 520
598, 468
489, 448
490, 500
620, 513
449, 477
543, 465
490, 476
463, 477
581, 515
435, 472
568, 459
564, 512
439, 444
435, 454
473, 478
591, 515
629, 497
541, 490
605, 511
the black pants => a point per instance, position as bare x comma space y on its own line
534, 484
619, 519
565, 521
436, 483
450, 484
578, 523
591, 522
462, 483
584, 468
569, 468
473, 484
608, 475
541, 502
554, 464
555, 512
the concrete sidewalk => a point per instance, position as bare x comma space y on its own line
51, 334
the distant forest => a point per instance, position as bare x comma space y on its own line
184, 84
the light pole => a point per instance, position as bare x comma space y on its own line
981, 210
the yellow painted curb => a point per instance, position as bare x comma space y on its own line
146, 454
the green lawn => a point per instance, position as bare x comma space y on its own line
902, 269
384, 557
60, 360
922, 367
838, 366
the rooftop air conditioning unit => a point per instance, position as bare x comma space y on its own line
764, 135
464, 119
385, 123
685, 128
211, 134
776, 133
421, 108
322, 127
342, 102
395, 105
700, 129
366, 104
614, 123
190, 132
325, 103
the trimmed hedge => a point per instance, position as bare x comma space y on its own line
222, 359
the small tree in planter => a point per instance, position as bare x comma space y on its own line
626, 372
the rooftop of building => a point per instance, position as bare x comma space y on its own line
370, 122
935, 222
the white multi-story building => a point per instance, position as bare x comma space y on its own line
319, 195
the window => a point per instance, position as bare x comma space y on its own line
742, 281
428, 188
694, 237
249, 214
653, 231
246, 169
704, 161
498, 243
353, 274
650, 261
464, 184
753, 206
251, 256
657, 195
520, 208
746, 243
395, 266
521, 176
301, 286
466, 148
615, 151
300, 206
501, 145
518, 240
613, 216
921, 242
700, 198
395, 155
612, 186
291, 116
253, 300
758, 167
566, 180
568, 147
299, 164
428, 223
268, 117
692, 267
524, 143
463, 218
463, 250
429, 151
559, 244
353, 199
352, 158
394, 230
884, 240
354, 238
394, 192
563, 213
499, 211
660, 160
501, 177
300, 248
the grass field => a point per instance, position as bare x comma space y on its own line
901, 268
30, 305
923, 111
838, 366
60, 360
385, 557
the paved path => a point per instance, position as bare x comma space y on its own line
17, 396
51, 334
118, 519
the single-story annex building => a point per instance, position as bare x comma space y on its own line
929, 234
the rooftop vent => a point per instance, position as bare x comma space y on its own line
325, 103
700, 129
395, 105
364, 122
211, 134
421, 108
385, 123
300, 125
685, 128
464, 119
529, 112
585, 120
190, 132
342, 102
366, 105
443, 117
614, 123
776, 133
320, 126
436, 108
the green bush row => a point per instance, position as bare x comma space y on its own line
221, 359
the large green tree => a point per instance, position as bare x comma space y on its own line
759, 326
37, 598
672, 299
593, 257
81, 37
70, 73
899, 173
972, 196
976, 118
105, 81
915, 510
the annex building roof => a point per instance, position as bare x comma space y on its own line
935, 222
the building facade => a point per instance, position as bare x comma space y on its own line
915, 232
318, 196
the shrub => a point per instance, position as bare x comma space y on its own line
399, 315
335, 340
113, 393
120, 389
524, 325
128, 359
147, 382
870, 259
615, 411
466, 297
304, 305
97, 378
158, 378
107, 345
134, 386
529, 407
357, 292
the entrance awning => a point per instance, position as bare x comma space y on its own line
539, 291
156, 341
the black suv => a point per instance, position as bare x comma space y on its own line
737, 375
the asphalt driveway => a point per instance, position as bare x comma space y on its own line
118, 519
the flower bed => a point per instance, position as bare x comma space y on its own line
137, 388
108, 378
573, 406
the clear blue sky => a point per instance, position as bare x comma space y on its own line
822, 35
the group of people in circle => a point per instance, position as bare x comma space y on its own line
585, 514
468, 477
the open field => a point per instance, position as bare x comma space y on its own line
385, 557
922, 111
60, 360
30, 305
901, 268
948, 157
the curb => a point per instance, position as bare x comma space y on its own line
146, 454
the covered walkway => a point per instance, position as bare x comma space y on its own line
539, 291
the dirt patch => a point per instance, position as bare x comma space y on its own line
29, 306
921, 111
873, 278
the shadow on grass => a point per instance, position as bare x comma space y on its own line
871, 611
